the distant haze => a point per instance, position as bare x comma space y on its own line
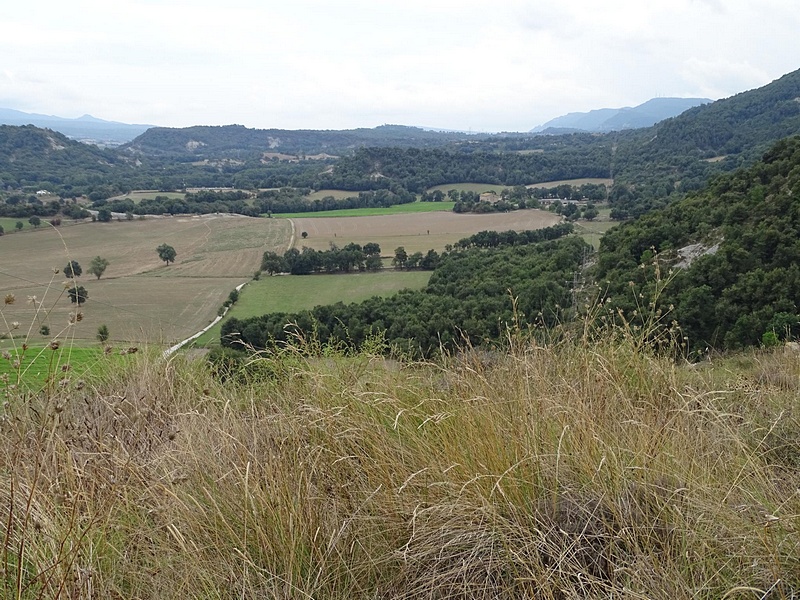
85, 128
615, 119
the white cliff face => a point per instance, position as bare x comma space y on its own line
691, 252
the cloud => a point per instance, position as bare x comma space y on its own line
474, 63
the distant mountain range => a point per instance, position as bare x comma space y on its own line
84, 129
604, 120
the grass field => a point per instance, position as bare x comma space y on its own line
416, 232
294, 293
9, 224
397, 209
41, 366
139, 298
592, 231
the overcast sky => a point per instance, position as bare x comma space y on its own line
499, 65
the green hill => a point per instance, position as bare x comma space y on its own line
239, 142
653, 165
735, 250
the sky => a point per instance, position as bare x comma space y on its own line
472, 65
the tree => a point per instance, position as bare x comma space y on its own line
104, 215
273, 263
400, 257
98, 266
19, 225
304, 234
78, 294
2, 231
373, 262
102, 334
35, 221
166, 253
72, 270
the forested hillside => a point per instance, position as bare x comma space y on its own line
741, 279
417, 169
678, 155
237, 141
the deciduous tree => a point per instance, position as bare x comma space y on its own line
78, 294
166, 253
72, 270
98, 266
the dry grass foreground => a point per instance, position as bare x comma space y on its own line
576, 471
139, 298
417, 232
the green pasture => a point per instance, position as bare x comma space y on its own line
292, 293
592, 231
398, 209
9, 224
41, 366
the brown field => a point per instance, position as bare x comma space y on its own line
479, 188
573, 182
139, 298
417, 232
338, 194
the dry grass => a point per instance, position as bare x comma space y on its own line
584, 469
139, 298
416, 232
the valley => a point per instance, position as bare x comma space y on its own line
463, 366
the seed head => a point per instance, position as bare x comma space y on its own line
10, 299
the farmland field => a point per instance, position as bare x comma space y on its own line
300, 292
415, 232
573, 182
338, 194
139, 298
397, 209
9, 224
592, 231
139, 195
479, 188
40, 366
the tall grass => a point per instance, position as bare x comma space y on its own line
581, 469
